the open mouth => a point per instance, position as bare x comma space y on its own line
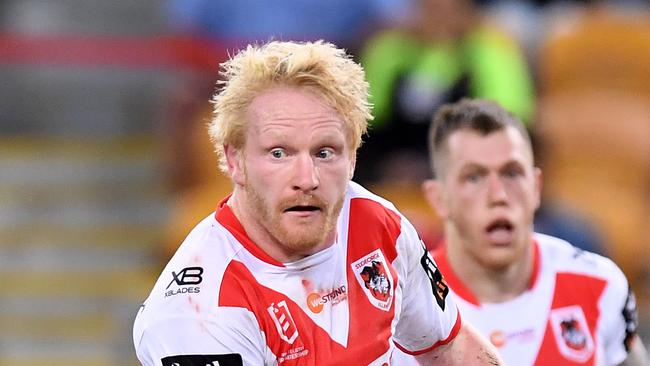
501, 224
500, 232
300, 208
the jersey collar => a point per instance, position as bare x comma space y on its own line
226, 217
440, 256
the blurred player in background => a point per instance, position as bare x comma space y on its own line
539, 299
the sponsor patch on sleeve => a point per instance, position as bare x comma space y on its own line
231, 359
631, 319
438, 284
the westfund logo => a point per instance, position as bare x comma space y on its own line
231, 359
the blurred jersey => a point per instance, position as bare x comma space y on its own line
578, 310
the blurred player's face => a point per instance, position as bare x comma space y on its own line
488, 196
294, 169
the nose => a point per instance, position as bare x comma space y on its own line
305, 174
497, 194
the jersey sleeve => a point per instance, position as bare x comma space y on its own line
227, 337
620, 316
429, 317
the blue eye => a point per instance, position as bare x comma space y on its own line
472, 177
324, 154
278, 153
512, 173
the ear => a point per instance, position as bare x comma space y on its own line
353, 164
235, 162
434, 192
537, 175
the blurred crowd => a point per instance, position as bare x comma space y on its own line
576, 72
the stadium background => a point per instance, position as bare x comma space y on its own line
95, 152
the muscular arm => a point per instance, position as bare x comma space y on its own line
468, 348
638, 356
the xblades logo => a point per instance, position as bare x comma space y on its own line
188, 276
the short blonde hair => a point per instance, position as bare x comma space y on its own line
317, 66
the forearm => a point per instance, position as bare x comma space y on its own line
468, 348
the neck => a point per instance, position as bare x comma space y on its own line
489, 284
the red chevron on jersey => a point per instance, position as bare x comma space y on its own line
297, 340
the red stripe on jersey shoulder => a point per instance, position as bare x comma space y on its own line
581, 289
227, 219
372, 226
536, 265
572, 289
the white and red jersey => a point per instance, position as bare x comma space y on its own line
578, 309
223, 301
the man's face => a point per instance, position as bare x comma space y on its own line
295, 167
489, 194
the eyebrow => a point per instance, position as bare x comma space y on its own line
477, 166
513, 164
470, 167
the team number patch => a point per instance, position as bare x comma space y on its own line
231, 359
438, 283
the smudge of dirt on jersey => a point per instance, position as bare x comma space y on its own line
307, 285
194, 305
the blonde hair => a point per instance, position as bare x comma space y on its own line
318, 66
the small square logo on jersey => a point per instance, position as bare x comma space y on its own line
631, 319
231, 359
283, 321
438, 284
374, 277
571, 333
